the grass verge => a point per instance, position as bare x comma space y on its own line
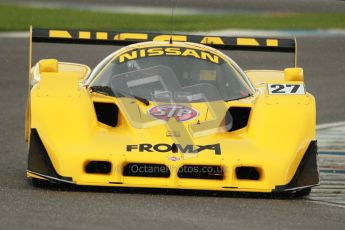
19, 18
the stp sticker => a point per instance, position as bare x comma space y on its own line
179, 112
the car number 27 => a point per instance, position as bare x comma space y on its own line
286, 89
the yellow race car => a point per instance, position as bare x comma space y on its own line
170, 111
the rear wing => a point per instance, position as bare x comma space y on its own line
122, 38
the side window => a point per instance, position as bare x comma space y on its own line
98, 68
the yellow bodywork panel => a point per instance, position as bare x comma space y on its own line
48, 65
294, 74
77, 71
279, 130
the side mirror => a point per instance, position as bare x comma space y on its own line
293, 74
48, 65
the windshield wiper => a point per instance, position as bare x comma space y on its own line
103, 90
108, 91
127, 94
239, 98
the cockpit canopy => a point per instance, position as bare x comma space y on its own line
172, 73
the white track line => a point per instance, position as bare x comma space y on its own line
14, 34
326, 203
330, 125
331, 139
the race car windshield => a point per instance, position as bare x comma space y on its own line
171, 74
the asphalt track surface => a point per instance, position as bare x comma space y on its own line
285, 6
25, 207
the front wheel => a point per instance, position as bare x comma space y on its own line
302, 192
295, 194
38, 183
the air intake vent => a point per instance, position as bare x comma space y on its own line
247, 173
146, 170
98, 167
107, 113
201, 172
240, 116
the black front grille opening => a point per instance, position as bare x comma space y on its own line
207, 172
98, 167
146, 170
247, 173
239, 117
107, 113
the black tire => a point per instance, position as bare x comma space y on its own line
302, 193
39, 183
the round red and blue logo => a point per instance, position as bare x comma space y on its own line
179, 112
